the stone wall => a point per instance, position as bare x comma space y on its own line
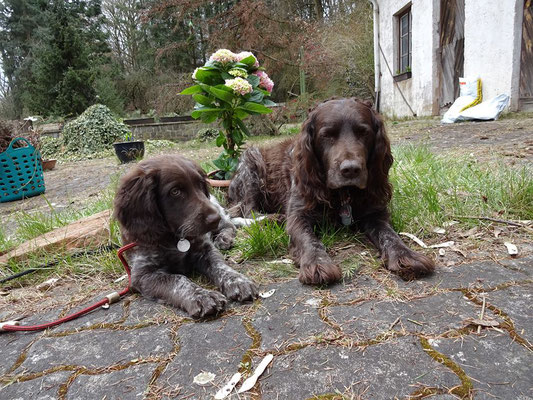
175, 131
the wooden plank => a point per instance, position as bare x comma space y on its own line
91, 231
526, 57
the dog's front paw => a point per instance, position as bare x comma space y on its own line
409, 264
224, 239
240, 288
205, 302
319, 271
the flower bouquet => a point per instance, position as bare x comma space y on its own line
229, 88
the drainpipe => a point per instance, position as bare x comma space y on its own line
377, 67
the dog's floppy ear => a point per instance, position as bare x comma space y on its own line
307, 169
203, 176
136, 205
379, 161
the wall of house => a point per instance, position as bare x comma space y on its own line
420, 90
492, 45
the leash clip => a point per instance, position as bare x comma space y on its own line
113, 297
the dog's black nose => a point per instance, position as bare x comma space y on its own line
350, 168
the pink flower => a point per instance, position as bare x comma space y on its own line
239, 85
264, 81
223, 56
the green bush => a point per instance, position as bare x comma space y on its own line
93, 131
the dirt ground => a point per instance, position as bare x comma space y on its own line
509, 140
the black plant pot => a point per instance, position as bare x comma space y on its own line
129, 151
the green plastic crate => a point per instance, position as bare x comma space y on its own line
21, 172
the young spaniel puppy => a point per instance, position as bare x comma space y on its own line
163, 205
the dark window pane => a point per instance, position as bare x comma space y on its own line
404, 47
404, 23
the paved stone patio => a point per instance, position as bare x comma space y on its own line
370, 338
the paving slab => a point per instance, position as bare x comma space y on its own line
215, 346
477, 275
360, 287
97, 348
517, 303
275, 321
129, 383
386, 371
498, 367
41, 388
142, 311
430, 315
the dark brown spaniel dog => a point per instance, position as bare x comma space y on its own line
163, 205
337, 166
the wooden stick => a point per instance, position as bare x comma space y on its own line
481, 315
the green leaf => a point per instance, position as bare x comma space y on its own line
198, 113
203, 100
225, 76
253, 80
257, 108
192, 90
250, 60
243, 127
220, 139
237, 137
224, 87
208, 117
241, 114
220, 164
256, 96
226, 123
219, 93
269, 103
208, 77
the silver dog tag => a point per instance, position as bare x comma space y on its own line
184, 245
346, 215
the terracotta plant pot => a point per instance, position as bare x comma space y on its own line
48, 165
221, 183
129, 151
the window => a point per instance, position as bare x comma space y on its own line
404, 41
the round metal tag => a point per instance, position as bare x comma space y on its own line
184, 245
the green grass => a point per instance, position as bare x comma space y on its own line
33, 224
430, 189
265, 238
6, 242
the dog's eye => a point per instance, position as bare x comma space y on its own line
175, 192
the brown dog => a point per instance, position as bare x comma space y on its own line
337, 166
163, 205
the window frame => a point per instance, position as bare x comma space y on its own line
404, 55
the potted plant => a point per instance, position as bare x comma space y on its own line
229, 88
129, 149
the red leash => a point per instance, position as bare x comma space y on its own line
109, 299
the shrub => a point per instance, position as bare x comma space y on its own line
93, 131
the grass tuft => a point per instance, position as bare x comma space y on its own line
430, 189
265, 238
